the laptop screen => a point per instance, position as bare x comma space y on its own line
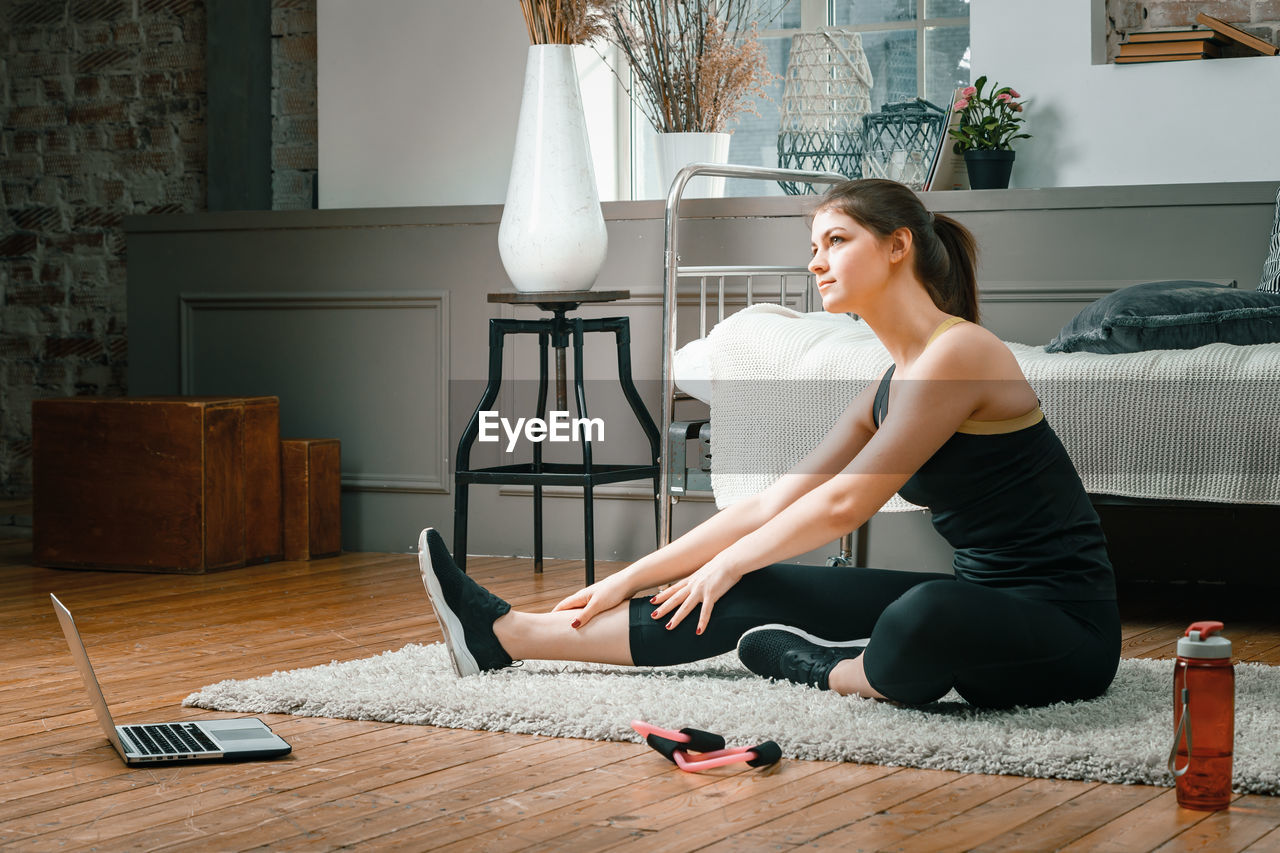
86, 673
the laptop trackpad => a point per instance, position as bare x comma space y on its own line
240, 734
249, 728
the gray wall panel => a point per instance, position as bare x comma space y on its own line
348, 366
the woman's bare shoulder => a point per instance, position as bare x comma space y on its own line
969, 351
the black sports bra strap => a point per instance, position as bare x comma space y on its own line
880, 406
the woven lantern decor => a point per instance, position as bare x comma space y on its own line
899, 142
826, 93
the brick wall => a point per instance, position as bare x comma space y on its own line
294, 155
102, 115
1257, 17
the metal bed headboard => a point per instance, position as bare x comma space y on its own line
749, 276
672, 275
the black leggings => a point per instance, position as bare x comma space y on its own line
929, 633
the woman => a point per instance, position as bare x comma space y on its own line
1029, 616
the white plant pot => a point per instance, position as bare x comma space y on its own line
552, 235
677, 150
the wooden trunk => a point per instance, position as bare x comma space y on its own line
163, 484
312, 497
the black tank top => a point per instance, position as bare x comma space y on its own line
1007, 498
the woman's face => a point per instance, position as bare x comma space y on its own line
849, 262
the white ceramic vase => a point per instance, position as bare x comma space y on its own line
552, 235
677, 150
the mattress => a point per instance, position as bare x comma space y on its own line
1185, 425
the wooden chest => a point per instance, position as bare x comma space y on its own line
312, 497
163, 484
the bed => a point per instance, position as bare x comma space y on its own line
1176, 435
1190, 425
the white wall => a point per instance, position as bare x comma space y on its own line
418, 101
1097, 125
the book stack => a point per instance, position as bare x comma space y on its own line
1205, 42
1169, 46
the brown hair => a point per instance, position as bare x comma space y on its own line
946, 257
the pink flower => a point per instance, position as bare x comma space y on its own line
1017, 108
968, 92
1004, 96
961, 105
1013, 93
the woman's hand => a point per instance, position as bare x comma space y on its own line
704, 587
595, 599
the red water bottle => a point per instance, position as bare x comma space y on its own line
1204, 699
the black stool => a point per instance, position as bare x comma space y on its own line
557, 331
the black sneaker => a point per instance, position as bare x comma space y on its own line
465, 610
783, 652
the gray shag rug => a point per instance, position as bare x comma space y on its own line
1121, 737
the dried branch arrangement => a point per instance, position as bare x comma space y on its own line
564, 21
696, 64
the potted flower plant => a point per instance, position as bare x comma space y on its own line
988, 124
696, 65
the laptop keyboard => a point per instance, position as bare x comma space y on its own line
170, 739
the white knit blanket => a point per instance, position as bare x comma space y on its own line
1191, 425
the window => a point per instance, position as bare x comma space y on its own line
916, 48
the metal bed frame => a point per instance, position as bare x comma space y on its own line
673, 482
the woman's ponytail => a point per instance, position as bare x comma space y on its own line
959, 289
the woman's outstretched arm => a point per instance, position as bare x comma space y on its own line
850, 433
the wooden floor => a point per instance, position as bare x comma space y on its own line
156, 638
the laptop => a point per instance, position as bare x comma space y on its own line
157, 743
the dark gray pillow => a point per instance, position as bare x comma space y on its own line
1172, 315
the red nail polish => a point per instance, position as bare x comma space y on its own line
699, 631
575, 624
669, 626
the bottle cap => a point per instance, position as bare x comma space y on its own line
1202, 640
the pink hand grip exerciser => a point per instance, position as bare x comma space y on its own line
675, 746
